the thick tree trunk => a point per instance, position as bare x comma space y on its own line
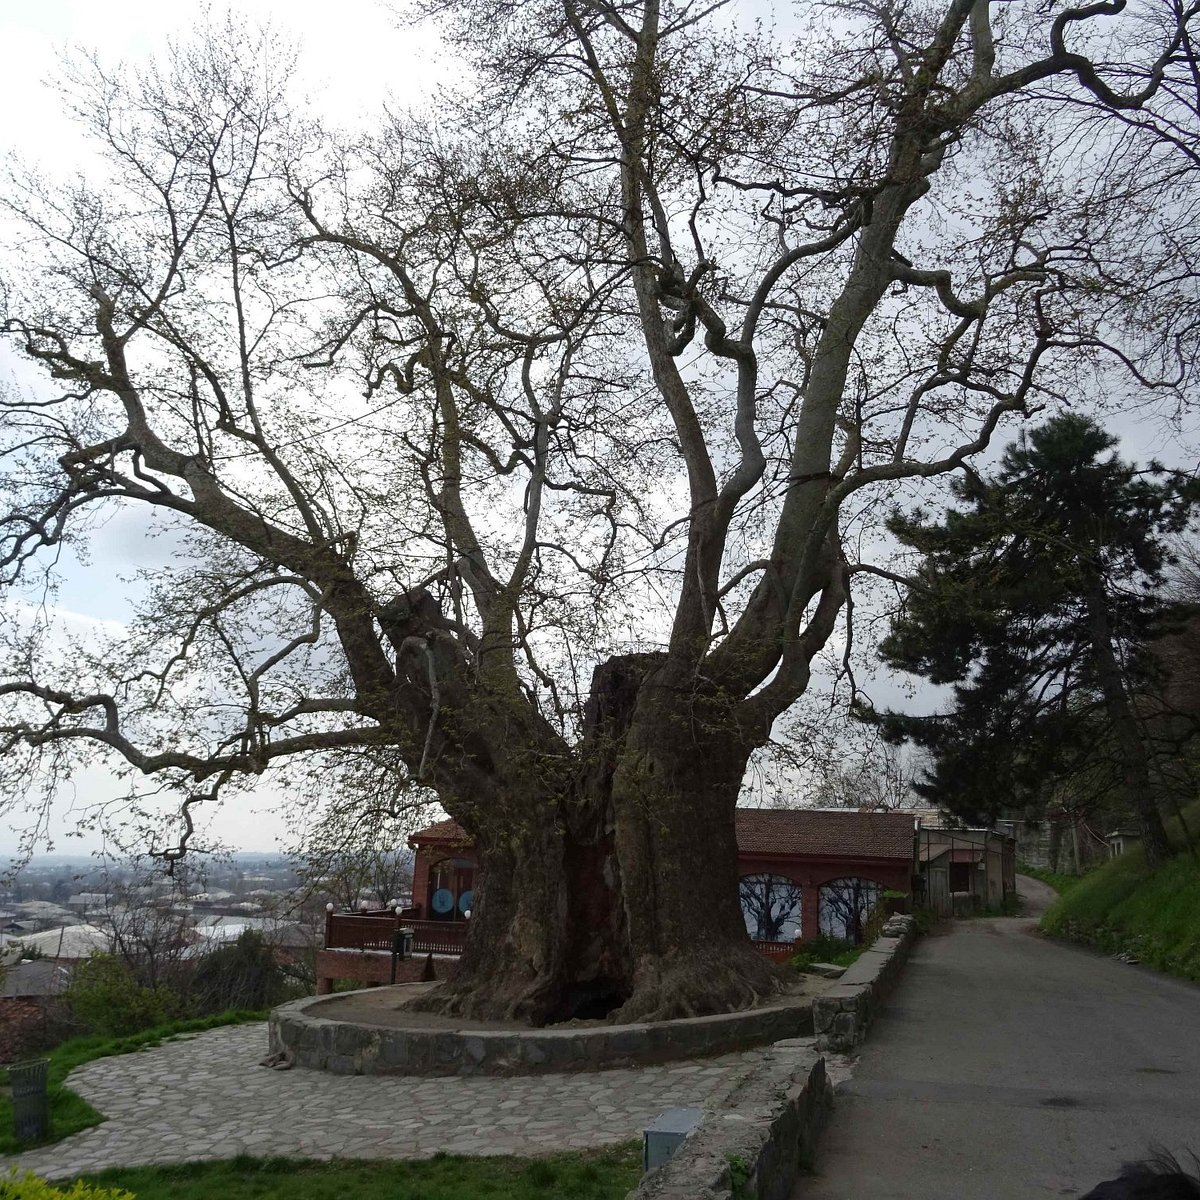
675, 796
515, 964
1140, 793
618, 898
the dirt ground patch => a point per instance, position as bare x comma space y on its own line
384, 1006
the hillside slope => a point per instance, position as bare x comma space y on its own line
1152, 915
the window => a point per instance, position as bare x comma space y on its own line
845, 905
451, 889
960, 876
771, 907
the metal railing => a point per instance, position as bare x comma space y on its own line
439, 937
375, 929
775, 951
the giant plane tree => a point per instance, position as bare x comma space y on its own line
520, 446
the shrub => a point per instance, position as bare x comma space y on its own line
1059, 882
105, 997
243, 975
926, 919
1123, 908
30, 1187
827, 950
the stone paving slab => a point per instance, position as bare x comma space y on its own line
206, 1097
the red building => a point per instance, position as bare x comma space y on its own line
807, 872
803, 871
444, 872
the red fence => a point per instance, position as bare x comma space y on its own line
438, 937
373, 931
778, 952
360, 931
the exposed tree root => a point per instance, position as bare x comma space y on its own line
699, 984
695, 983
490, 998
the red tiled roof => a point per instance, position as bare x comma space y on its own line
441, 831
838, 832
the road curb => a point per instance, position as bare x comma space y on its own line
756, 1147
842, 1015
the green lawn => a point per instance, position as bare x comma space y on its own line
588, 1175
1124, 907
68, 1112
1060, 883
825, 950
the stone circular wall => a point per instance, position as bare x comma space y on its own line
312, 1039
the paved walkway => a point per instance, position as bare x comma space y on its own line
207, 1098
1008, 1066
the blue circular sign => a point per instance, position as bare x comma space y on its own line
443, 901
465, 902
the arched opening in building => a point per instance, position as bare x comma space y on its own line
845, 906
771, 907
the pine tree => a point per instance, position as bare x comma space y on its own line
1036, 600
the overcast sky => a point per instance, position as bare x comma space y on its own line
353, 57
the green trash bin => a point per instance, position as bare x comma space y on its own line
30, 1099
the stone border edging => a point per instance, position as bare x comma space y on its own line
842, 1015
307, 1039
756, 1146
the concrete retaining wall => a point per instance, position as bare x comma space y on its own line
842, 1015
756, 1146
311, 1040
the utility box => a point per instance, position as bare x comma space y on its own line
30, 1099
661, 1138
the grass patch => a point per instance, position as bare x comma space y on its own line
587, 1175
1060, 883
70, 1113
926, 920
1125, 907
826, 950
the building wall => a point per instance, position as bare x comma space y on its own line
367, 966
813, 871
810, 871
21, 1018
1055, 843
428, 856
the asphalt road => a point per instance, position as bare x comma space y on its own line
1005, 1065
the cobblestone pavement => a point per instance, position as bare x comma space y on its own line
206, 1097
